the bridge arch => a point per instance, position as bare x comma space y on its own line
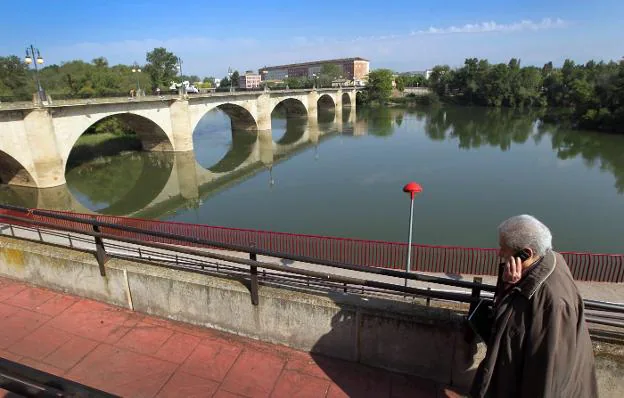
346, 100
326, 102
150, 133
291, 107
13, 172
240, 117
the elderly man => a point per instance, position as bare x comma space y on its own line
539, 344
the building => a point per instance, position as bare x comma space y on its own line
352, 68
249, 80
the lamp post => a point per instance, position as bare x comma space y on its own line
230, 73
412, 188
182, 89
314, 76
286, 77
264, 74
30, 55
136, 69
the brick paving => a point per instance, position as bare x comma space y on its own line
133, 355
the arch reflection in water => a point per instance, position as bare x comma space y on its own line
122, 184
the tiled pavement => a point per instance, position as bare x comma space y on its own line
134, 355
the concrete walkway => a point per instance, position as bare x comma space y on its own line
133, 355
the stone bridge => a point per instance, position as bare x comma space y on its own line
170, 180
36, 141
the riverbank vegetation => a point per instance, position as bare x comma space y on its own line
587, 95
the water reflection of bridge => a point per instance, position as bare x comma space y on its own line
169, 181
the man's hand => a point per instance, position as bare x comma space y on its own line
513, 271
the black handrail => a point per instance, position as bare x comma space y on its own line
253, 263
254, 250
453, 296
29, 382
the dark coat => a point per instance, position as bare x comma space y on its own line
540, 345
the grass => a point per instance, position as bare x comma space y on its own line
92, 146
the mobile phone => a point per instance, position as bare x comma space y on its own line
522, 254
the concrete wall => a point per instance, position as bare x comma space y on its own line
408, 338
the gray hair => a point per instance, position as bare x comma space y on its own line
525, 231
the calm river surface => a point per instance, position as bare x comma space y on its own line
476, 166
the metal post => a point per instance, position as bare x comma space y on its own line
100, 252
36, 56
476, 293
409, 240
254, 280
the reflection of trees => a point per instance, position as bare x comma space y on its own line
500, 127
379, 120
493, 127
123, 183
592, 147
18, 196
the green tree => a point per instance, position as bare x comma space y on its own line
379, 86
161, 67
329, 73
400, 83
235, 78
15, 79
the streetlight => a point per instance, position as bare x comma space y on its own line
286, 77
230, 73
30, 54
315, 80
182, 89
412, 188
136, 69
264, 74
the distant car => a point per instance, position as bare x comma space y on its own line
192, 90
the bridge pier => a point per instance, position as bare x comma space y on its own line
265, 147
49, 170
181, 126
313, 109
186, 173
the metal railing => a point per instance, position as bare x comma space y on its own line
10, 103
154, 243
358, 252
30, 382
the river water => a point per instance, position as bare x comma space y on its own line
344, 178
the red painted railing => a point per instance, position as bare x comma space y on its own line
425, 258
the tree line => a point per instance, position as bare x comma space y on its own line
589, 95
80, 79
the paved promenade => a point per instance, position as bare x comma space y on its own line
133, 355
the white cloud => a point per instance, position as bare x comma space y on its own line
486, 27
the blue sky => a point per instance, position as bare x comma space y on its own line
401, 35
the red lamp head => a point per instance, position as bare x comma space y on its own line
412, 188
